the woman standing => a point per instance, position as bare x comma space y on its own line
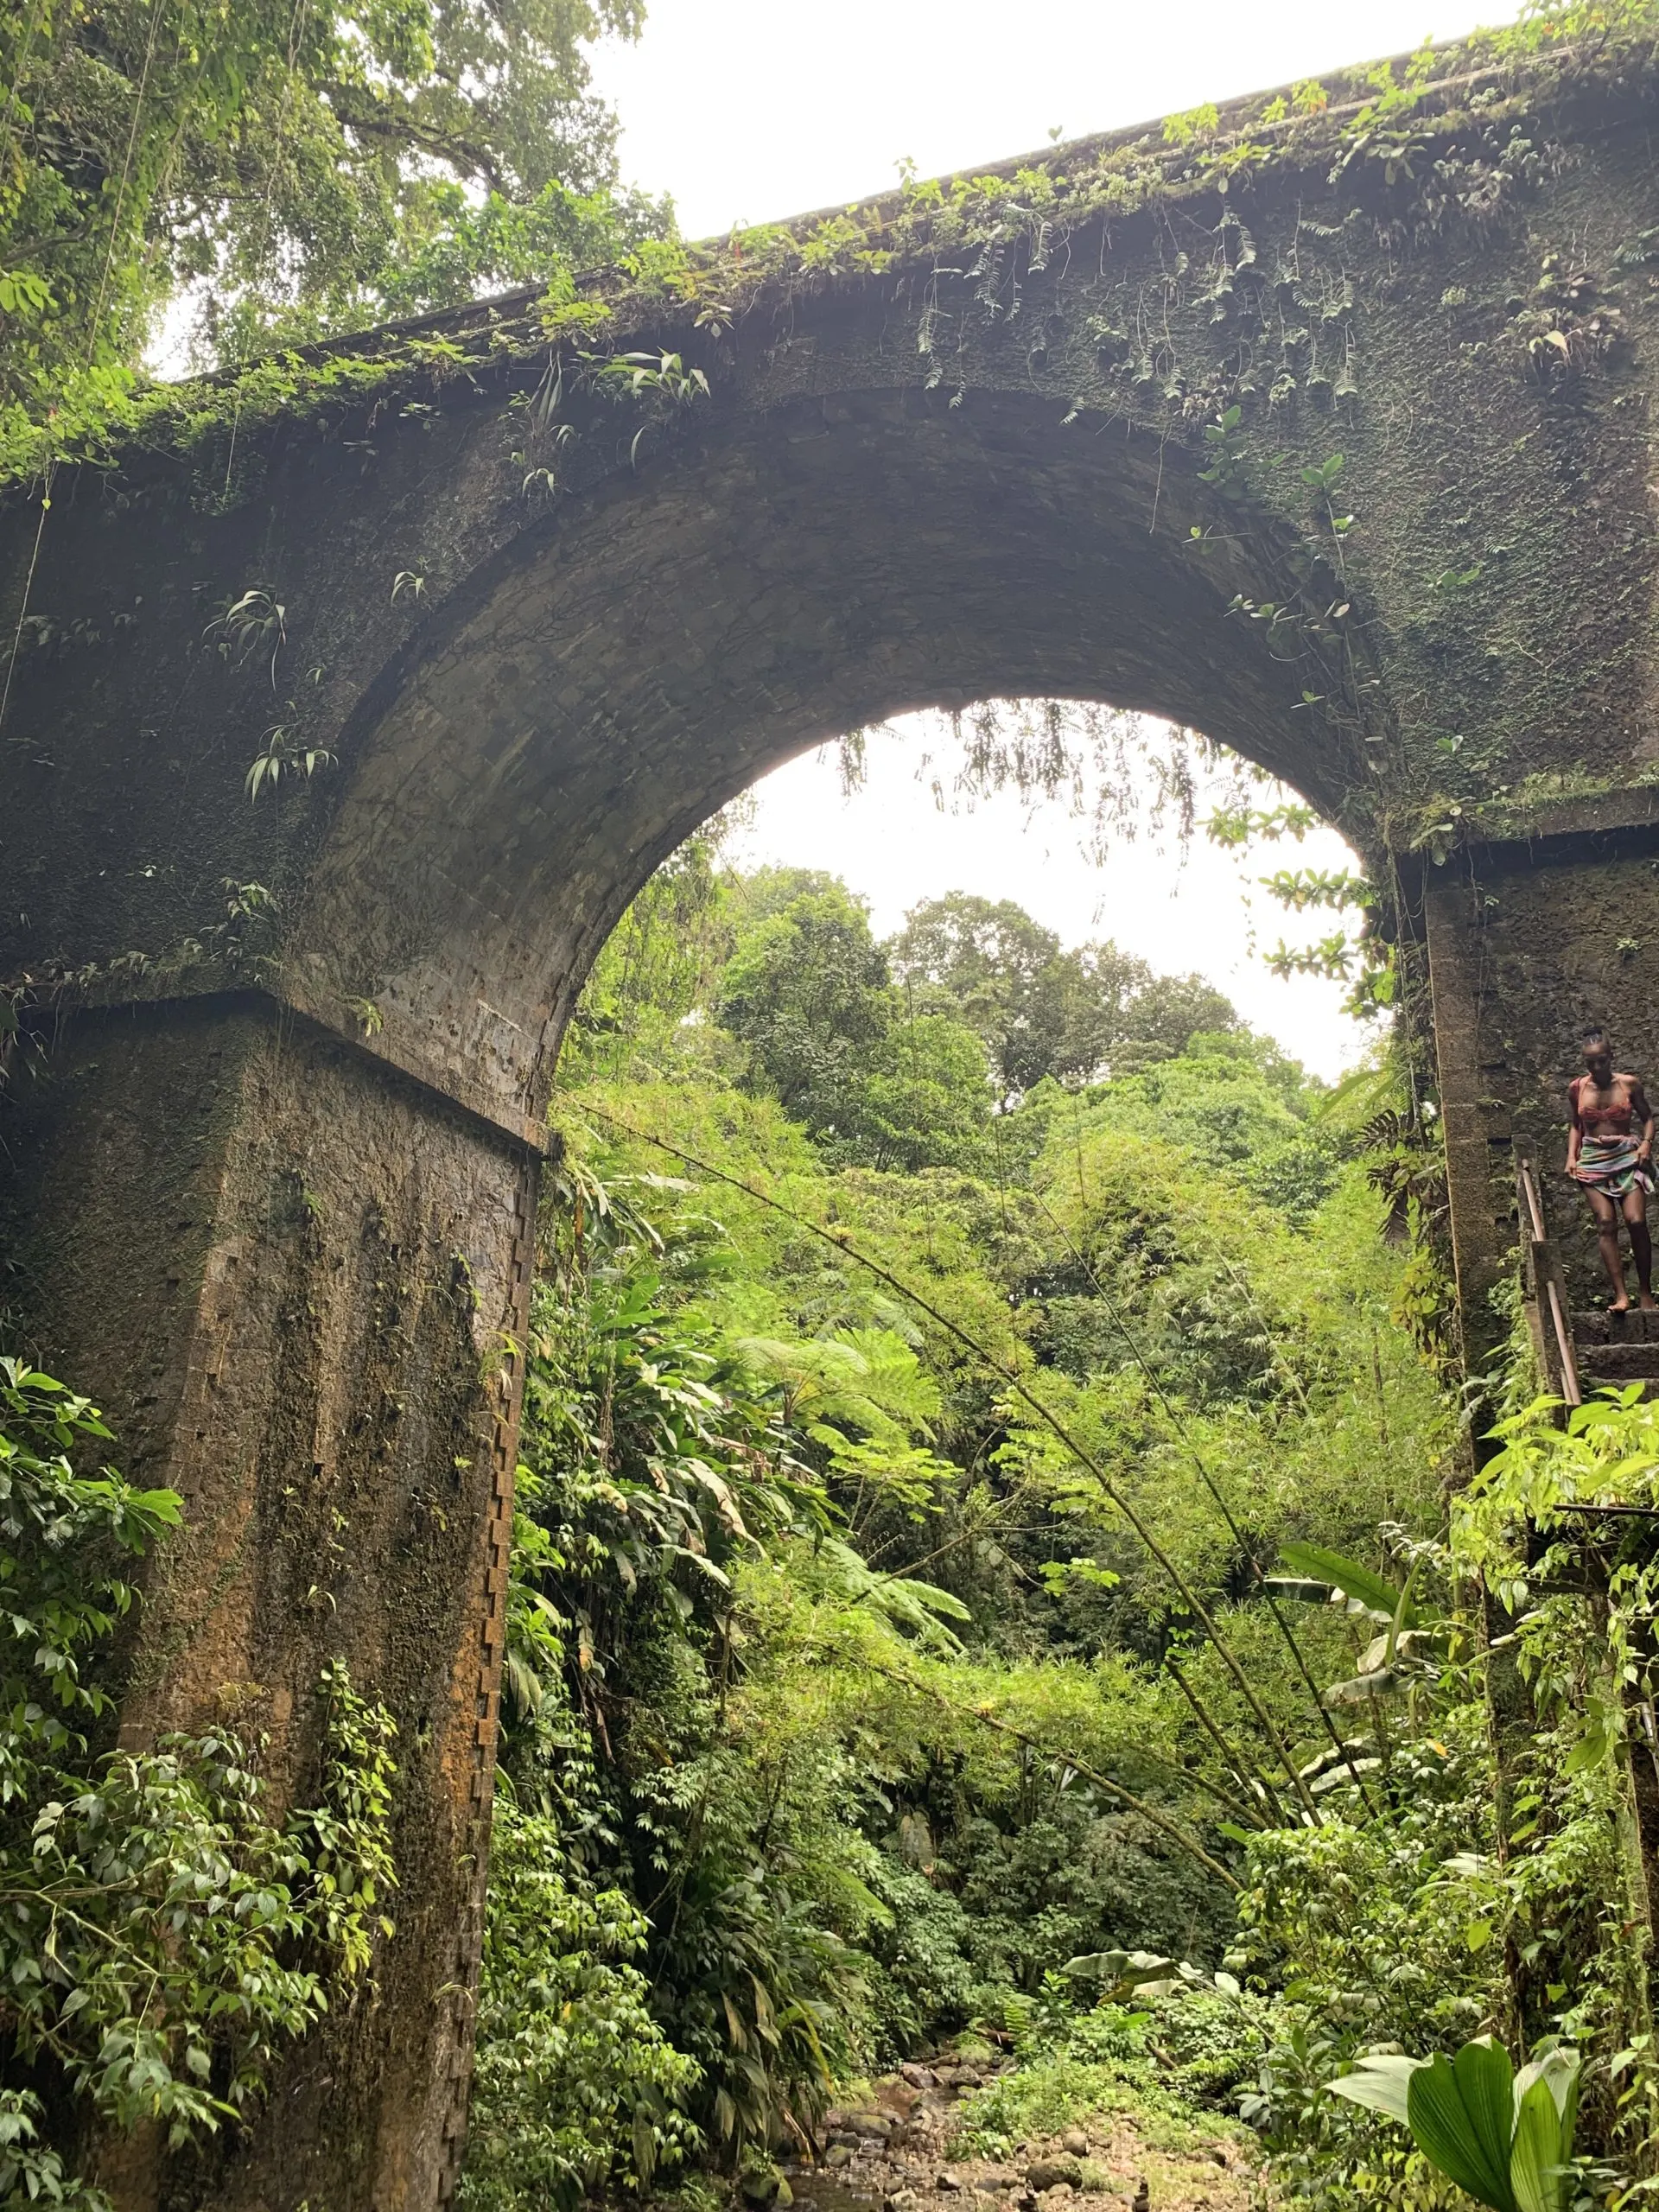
1613, 1163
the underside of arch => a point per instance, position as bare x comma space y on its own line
624, 669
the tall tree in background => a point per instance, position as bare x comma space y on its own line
923, 1100
304, 164
1120, 1014
807, 991
997, 969
1042, 1012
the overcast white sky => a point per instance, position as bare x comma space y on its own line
751, 110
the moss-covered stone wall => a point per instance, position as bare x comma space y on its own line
1327, 432
298, 1285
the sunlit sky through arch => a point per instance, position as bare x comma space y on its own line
749, 109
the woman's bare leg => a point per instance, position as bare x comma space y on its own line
1636, 1220
1612, 1258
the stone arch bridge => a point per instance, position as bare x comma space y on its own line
278, 1102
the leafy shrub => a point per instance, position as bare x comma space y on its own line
1074, 1877
766, 1998
920, 1979
161, 1939
1506, 2139
1057, 2090
576, 2087
1365, 1923
1161, 2059
30, 2173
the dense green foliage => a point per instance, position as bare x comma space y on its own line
835, 1645
912, 1612
569, 2057
989, 1502
160, 1938
1041, 1011
880, 1051
300, 168
943, 1574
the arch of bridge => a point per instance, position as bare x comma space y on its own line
849, 525
795, 573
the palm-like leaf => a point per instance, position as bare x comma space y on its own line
1535, 2157
1462, 2114
1365, 1590
1546, 2119
1382, 2084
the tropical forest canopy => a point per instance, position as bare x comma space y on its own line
275, 170
986, 1581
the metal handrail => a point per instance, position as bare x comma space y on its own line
1546, 1273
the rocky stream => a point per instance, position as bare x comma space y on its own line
903, 2150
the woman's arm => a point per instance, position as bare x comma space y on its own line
1644, 1113
1575, 1128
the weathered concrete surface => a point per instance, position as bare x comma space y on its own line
278, 1136
298, 1280
1531, 943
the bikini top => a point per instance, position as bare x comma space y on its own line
1603, 1120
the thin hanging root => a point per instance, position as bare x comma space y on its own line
1189, 1597
93, 327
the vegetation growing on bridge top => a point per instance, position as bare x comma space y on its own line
296, 170
1450, 130
1211, 324
1262, 330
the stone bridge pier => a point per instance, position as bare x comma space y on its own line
298, 1279
1344, 461
1531, 941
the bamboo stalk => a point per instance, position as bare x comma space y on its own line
1242, 1768
844, 1243
1176, 1834
1286, 1632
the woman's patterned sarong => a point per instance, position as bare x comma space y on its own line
1610, 1165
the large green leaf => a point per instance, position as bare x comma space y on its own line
1544, 2139
1380, 2084
1535, 2158
1359, 1585
1561, 2070
1122, 1974
1462, 2113
1362, 1688
1112, 1966
1563, 2073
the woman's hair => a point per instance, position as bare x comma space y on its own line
1596, 1037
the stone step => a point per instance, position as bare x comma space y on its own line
1595, 1326
1617, 1364
1590, 1384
